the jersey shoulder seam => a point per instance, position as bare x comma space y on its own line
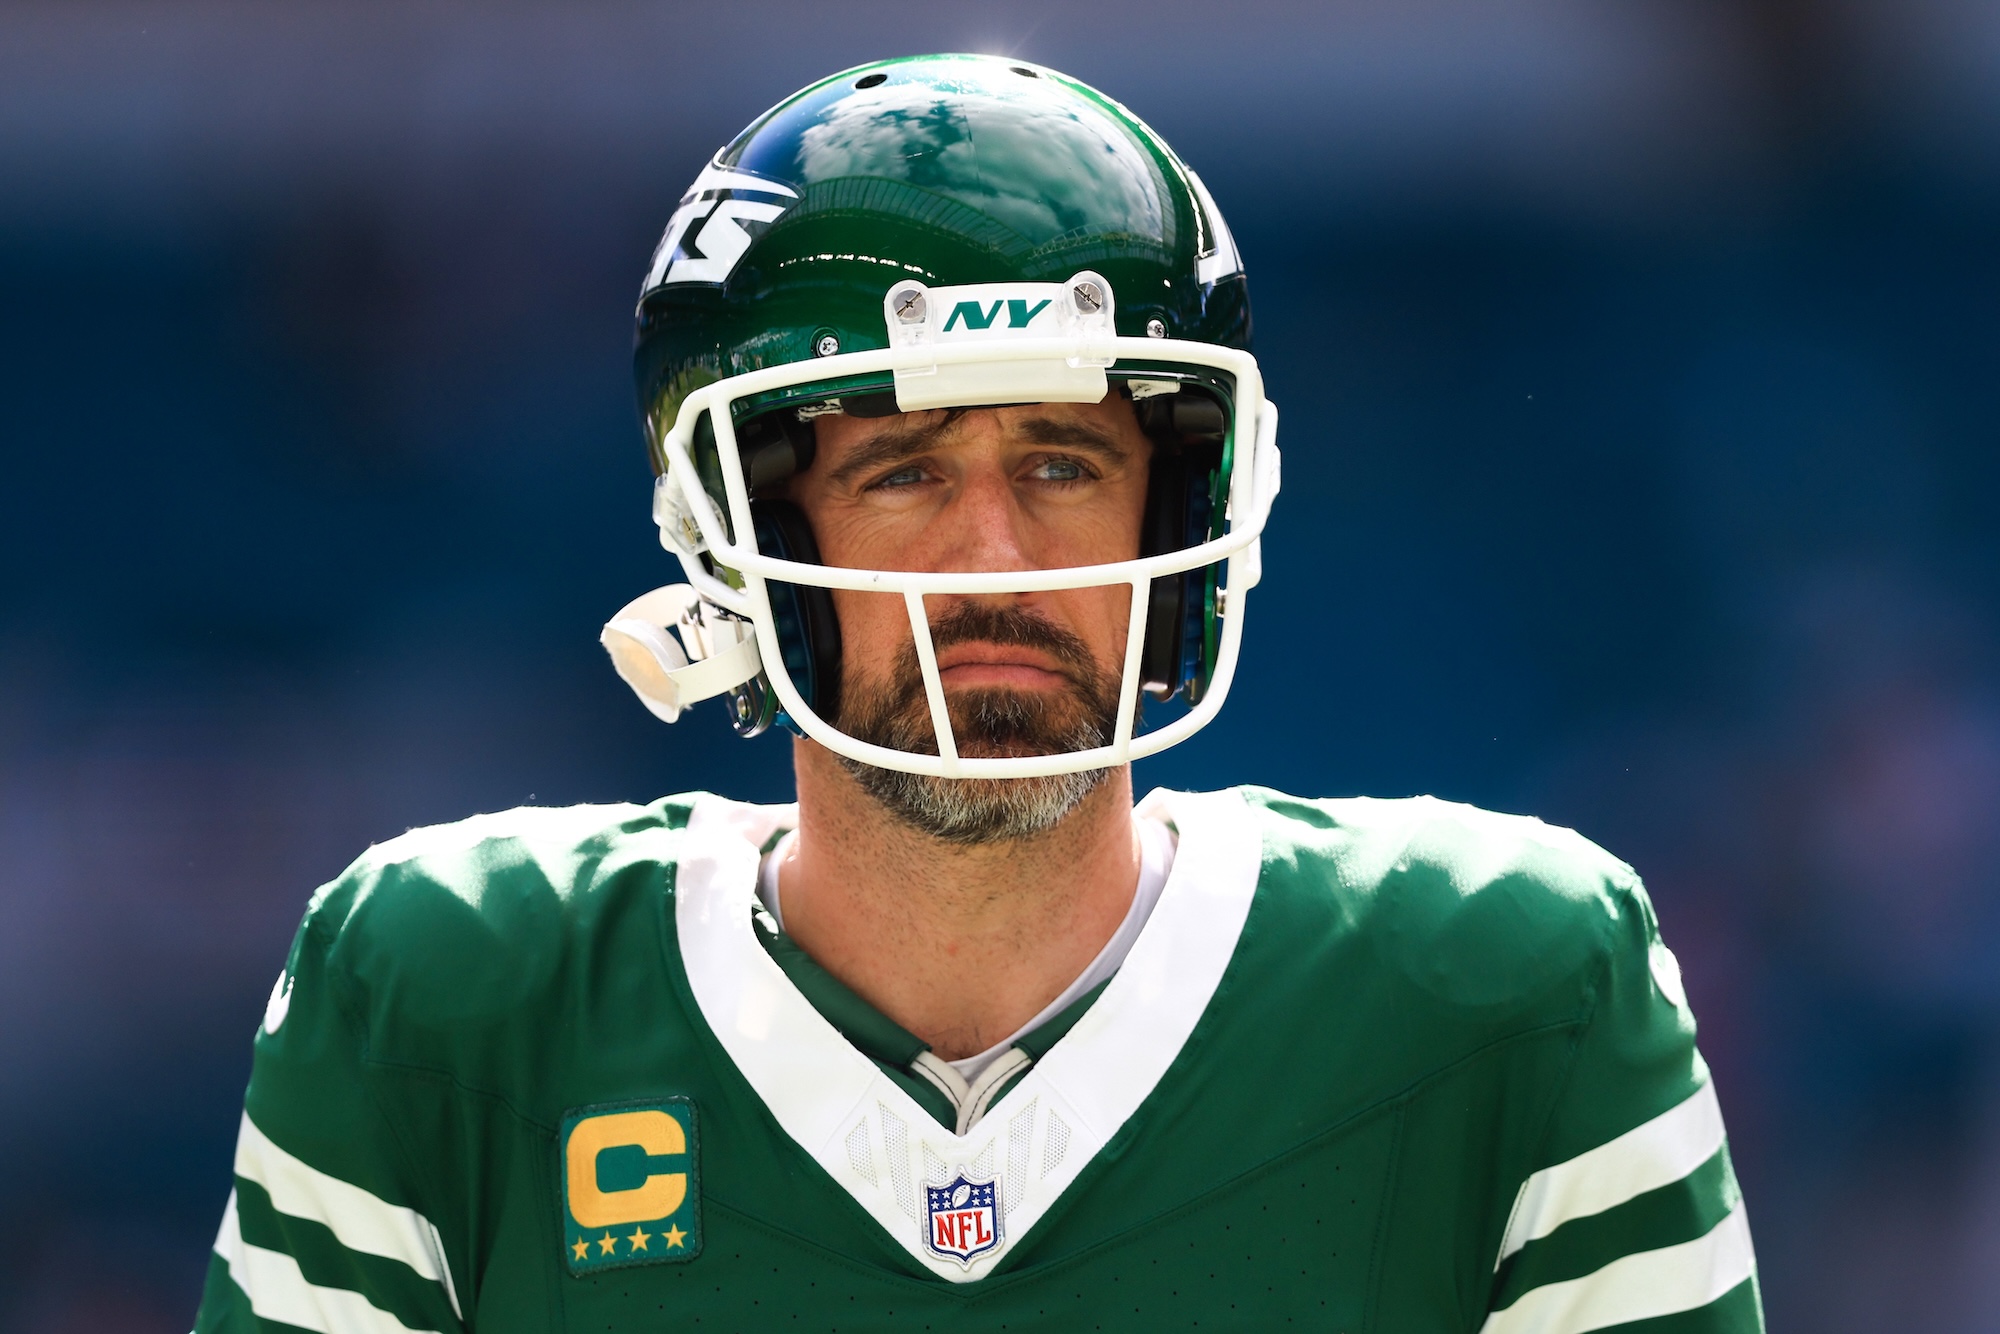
1594, 995
354, 1017
1378, 1243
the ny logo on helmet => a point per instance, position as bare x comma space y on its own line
976, 317
705, 237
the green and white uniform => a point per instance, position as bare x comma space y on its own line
1371, 1065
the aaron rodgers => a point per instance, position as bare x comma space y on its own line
945, 368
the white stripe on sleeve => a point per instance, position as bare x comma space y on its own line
1657, 1153
361, 1221
1637, 1287
279, 1291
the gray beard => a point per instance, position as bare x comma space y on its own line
970, 811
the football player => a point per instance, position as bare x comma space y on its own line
944, 365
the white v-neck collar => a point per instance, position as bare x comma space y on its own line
874, 1139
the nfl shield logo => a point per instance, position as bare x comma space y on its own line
962, 1218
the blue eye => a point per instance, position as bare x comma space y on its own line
1061, 470
903, 477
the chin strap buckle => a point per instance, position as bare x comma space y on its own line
715, 653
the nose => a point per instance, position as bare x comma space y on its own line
984, 527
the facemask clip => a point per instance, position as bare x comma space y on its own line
679, 533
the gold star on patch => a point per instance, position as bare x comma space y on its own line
674, 1235
608, 1242
582, 1248
638, 1239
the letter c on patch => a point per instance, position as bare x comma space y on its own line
660, 1194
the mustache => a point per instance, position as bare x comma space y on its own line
974, 622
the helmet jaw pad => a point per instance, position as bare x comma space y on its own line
808, 627
1188, 428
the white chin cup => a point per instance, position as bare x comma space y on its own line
658, 667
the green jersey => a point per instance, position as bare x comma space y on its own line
1370, 1065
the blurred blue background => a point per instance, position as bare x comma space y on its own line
1639, 365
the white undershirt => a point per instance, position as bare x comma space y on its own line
1156, 859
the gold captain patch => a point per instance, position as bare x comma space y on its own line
631, 1185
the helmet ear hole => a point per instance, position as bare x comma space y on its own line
808, 631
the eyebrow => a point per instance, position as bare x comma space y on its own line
898, 443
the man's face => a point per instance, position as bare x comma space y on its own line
987, 489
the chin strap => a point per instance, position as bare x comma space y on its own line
715, 652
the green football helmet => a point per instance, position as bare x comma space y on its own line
939, 231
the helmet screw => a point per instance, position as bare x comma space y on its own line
1156, 328
909, 306
1089, 297
825, 345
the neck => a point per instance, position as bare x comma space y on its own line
961, 945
